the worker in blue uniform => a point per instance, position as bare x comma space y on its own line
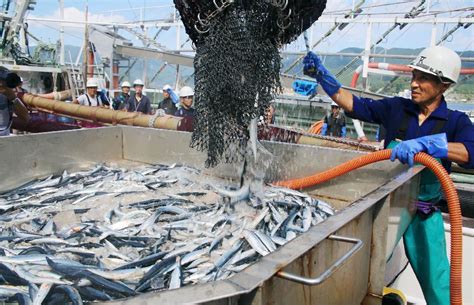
420, 124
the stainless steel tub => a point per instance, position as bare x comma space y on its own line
367, 198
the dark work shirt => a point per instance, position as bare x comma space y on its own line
144, 106
335, 124
182, 112
120, 101
389, 113
168, 106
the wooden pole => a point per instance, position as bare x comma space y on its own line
107, 116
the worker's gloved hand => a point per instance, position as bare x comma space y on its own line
434, 145
313, 67
343, 131
174, 97
324, 129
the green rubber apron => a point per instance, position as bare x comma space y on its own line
425, 244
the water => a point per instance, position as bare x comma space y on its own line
461, 106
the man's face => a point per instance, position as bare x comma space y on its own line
138, 89
425, 88
166, 94
335, 110
126, 90
92, 91
187, 101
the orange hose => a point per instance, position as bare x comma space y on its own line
448, 188
316, 127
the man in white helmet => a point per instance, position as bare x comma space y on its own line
168, 104
420, 124
138, 102
186, 95
121, 100
334, 122
91, 98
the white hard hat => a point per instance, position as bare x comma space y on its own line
166, 87
92, 82
138, 82
125, 84
439, 61
334, 104
186, 91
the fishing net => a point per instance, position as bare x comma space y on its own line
237, 65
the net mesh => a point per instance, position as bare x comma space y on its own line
237, 65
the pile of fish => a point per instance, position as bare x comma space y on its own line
111, 232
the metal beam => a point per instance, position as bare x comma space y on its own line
366, 20
165, 23
170, 58
21, 68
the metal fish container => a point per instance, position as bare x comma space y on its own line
368, 199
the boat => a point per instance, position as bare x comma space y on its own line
111, 50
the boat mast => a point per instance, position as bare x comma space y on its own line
61, 33
86, 42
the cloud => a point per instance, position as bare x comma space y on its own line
74, 14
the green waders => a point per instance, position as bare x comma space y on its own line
425, 244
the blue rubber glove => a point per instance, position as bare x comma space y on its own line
343, 131
174, 96
313, 67
434, 145
324, 129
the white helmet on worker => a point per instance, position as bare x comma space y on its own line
334, 104
125, 84
92, 83
439, 61
186, 91
138, 82
166, 87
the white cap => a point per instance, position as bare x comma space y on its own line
91, 83
439, 61
138, 82
166, 87
334, 104
125, 84
186, 91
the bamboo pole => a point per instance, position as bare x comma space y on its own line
107, 116
58, 96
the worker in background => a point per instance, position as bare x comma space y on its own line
186, 95
91, 98
121, 100
9, 103
138, 102
103, 94
167, 104
268, 117
420, 124
334, 122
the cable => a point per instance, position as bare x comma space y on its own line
372, 6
